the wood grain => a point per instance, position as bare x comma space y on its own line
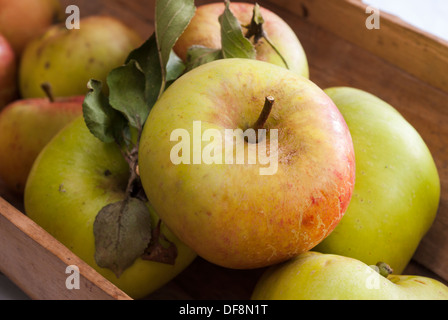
398, 63
37, 263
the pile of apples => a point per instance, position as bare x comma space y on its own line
354, 183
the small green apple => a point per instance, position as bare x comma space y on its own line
73, 178
8, 73
69, 58
225, 200
27, 125
397, 187
22, 21
204, 30
317, 276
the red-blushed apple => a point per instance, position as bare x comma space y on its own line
69, 58
27, 125
8, 73
251, 203
21, 21
204, 29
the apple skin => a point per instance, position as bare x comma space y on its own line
68, 59
230, 214
27, 125
204, 29
8, 73
21, 21
397, 189
68, 185
317, 276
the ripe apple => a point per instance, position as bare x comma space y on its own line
21, 21
8, 73
26, 126
204, 29
256, 211
397, 188
71, 180
69, 58
317, 276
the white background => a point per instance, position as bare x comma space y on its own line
428, 15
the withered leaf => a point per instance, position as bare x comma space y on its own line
122, 232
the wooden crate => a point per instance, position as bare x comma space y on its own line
398, 63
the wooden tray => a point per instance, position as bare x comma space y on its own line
398, 63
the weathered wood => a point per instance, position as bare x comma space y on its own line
37, 262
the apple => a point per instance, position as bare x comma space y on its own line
27, 125
284, 195
21, 21
204, 29
397, 189
69, 58
8, 73
71, 180
317, 276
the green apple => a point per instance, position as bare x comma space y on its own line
397, 187
250, 203
317, 276
26, 126
204, 29
8, 73
69, 58
73, 178
21, 21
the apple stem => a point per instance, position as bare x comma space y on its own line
384, 269
264, 115
46, 87
267, 108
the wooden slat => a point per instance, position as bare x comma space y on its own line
37, 263
417, 52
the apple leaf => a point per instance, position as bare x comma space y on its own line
233, 42
198, 55
160, 249
171, 19
103, 121
174, 68
148, 59
127, 93
122, 232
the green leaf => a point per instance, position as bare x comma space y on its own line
174, 68
233, 42
122, 232
198, 55
171, 19
127, 93
147, 57
103, 121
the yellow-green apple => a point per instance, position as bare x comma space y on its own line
317, 276
8, 73
27, 125
204, 30
397, 188
21, 21
69, 58
238, 201
73, 178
